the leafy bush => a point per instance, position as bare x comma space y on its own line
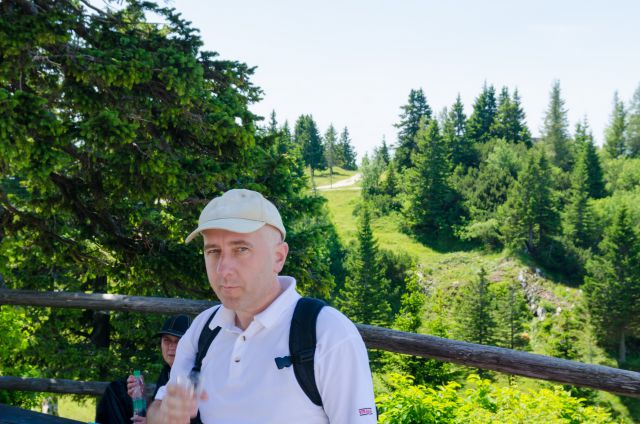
482, 402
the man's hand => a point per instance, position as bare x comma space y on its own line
178, 406
138, 420
132, 383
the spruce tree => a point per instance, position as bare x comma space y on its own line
365, 292
331, 148
483, 117
273, 123
372, 170
432, 206
511, 316
583, 140
347, 152
577, 219
307, 137
416, 110
614, 140
633, 125
475, 312
510, 122
460, 147
390, 184
555, 133
529, 214
384, 151
409, 319
612, 284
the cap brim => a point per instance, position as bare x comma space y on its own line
230, 224
169, 332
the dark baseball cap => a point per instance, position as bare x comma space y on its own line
176, 326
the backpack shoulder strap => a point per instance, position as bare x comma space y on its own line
302, 345
204, 341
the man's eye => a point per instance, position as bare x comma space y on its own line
212, 252
242, 249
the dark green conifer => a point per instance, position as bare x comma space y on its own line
529, 214
416, 110
432, 207
365, 292
615, 143
460, 147
347, 152
483, 116
612, 284
555, 133
584, 144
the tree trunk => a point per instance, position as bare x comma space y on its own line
101, 332
622, 353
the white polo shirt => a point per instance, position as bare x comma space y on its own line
244, 385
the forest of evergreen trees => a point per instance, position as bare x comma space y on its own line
117, 131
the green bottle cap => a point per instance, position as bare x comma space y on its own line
136, 373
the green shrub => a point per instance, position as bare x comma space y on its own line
483, 402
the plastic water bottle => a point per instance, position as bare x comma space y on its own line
139, 401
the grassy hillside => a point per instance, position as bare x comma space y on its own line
449, 266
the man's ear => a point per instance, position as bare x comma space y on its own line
281, 252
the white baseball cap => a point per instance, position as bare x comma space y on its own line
240, 211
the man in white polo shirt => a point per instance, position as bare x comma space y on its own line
244, 250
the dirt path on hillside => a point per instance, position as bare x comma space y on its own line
342, 183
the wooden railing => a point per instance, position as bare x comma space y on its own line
508, 361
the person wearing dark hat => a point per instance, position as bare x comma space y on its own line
115, 406
243, 375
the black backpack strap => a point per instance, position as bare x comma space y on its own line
302, 345
204, 342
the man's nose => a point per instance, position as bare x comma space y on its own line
224, 264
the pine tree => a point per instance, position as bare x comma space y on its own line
577, 219
583, 140
331, 148
614, 140
555, 132
460, 147
347, 152
372, 170
483, 116
510, 122
273, 123
633, 125
529, 214
413, 112
409, 319
390, 184
365, 292
384, 151
433, 204
511, 316
475, 312
307, 137
612, 284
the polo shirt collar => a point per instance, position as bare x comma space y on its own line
225, 318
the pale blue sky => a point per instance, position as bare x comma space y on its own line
352, 63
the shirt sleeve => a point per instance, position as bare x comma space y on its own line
186, 351
342, 370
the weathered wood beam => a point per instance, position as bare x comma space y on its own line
59, 385
103, 301
615, 380
509, 361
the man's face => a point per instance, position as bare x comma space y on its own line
168, 345
242, 267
